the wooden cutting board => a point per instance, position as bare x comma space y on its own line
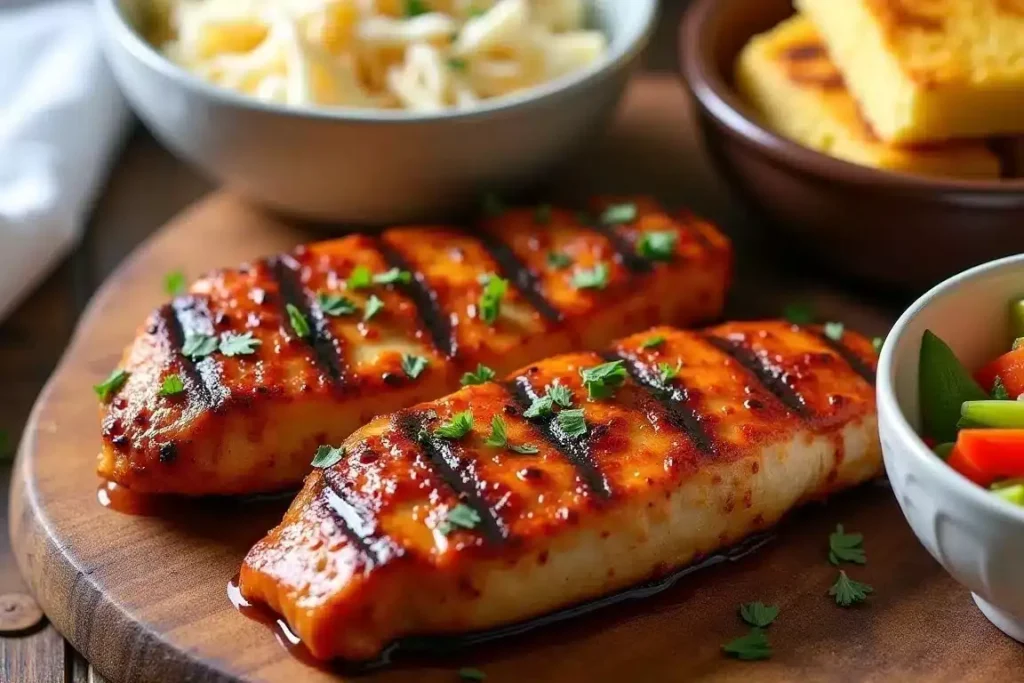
144, 598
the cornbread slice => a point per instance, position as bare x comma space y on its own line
787, 76
926, 70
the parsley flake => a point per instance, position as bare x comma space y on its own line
360, 278
413, 366
335, 304
524, 449
414, 8
561, 395
198, 345
328, 456
877, 342
174, 283
499, 438
667, 372
594, 278
373, 306
559, 260
298, 321
542, 406
848, 592
456, 427
542, 214
758, 614
653, 342
657, 246
469, 674
999, 391
619, 213
461, 516
232, 344
601, 381
833, 331
481, 375
111, 384
490, 299
392, 276
750, 647
844, 547
798, 313
572, 423
1017, 343
172, 385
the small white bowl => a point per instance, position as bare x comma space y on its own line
977, 537
372, 165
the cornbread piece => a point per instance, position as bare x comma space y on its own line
928, 70
787, 76
703, 438
232, 387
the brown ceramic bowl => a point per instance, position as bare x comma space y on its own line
893, 229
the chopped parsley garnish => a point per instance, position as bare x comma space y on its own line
481, 375
328, 456
457, 64
999, 391
469, 674
833, 331
844, 547
758, 614
492, 205
232, 344
174, 283
413, 366
657, 246
172, 385
360, 278
750, 647
542, 406
559, 260
373, 306
499, 438
601, 381
653, 342
668, 372
848, 592
594, 278
561, 395
490, 299
572, 422
877, 342
798, 314
335, 304
414, 8
457, 427
619, 213
542, 214
297, 320
391, 276
1017, 343
198, 345
111, 384
461, 516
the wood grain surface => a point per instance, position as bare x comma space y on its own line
144, 598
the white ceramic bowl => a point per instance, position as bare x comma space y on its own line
976, 536
365, 165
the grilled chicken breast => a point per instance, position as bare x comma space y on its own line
701, 439
392, 320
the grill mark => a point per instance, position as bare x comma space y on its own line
847, 354
326, 348
184, 317
575, 450
443, 454
442, 333
357, 523
625, 251
674, 398
520, 276
767, 374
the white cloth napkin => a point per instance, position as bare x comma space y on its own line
61, 121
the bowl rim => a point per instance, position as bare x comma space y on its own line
112, 17
915, 447
720, 101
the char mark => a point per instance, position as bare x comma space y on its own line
674, 397
626, 253
851, 358
190, 316
520, 276
326, 348
423, 295
769, 375
444, 455
574, 449
357, 522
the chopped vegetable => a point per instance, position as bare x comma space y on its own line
360, 278
619, 213
652, 342
499, 438
298, 321
198, 345
174, 283
999, 391
968, 469
461, 516
490, 299
601, 381
572, 423
657, 246
413, 366
758, 614
233, 344
944, 449
559, 260
1008, 368
996, 453
561, 395
594, 278
844, 547
944, 385
392, 276
877, 343
481, 375
750, 647
373, 306
667, 372
1011, 494
172, 385
991, 413
542, 406
833, 331
328, 456
111, 384
848, 592
335, 304
457, 427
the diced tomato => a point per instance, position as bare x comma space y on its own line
1009, 367
984, 455
961, 464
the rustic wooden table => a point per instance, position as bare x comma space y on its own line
146, 188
